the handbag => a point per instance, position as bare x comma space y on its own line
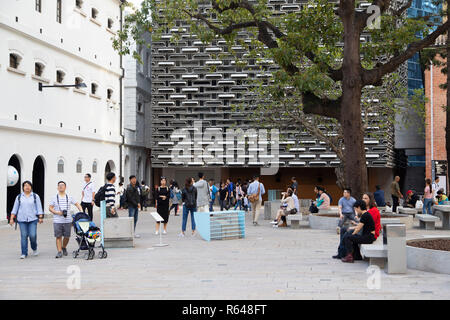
255, 196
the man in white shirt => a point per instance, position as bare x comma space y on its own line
62, 218
203, 195
87, 195
435, 186
256, 188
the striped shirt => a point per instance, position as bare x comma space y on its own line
61, 203
110, 195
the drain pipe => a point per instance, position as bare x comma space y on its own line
431, 121
121, 100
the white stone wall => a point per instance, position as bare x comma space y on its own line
59, 122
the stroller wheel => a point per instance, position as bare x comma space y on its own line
86, 255
91, 254
100, 254
75, 254
105, 254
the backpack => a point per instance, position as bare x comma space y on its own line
100, 195
178, 194
190, 201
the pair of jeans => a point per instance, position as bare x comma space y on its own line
28, 230
211, 203
395, 203
186, 212
347, 216
238, 204
223, 204
427, 206
174, 206
133, 212
351, 241
88, 206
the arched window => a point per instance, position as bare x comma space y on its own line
14, 60
38, 69
94, 167
61, 166
60, 76
79, 166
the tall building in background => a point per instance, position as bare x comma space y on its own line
137, 119
185, 93
58, 133
410, 142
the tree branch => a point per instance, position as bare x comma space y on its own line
321, 107
374, 76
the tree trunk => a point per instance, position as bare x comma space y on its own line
355, 169
447, 113
340, 176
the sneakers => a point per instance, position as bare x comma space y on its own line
64, 251
336, 257
59, 255
35, 253
338, 230
23, 256
137, 236
275, 226
255, 223
181, 235
164, 232
274, 222
156, 233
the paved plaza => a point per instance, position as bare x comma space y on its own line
268, 264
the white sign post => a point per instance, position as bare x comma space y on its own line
159, 219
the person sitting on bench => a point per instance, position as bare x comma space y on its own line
366, 224
287, 207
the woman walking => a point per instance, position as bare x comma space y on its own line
239, 196
162, 204
175, 196
427, 197
223, 196
189, 197
28, 212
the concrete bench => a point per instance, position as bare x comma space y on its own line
411, 211
271, 208
444, 212
393, 252
295, 220
427, 221
118, 232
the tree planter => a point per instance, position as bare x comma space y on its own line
428, 259
323, 221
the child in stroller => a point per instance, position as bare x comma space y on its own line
87, 234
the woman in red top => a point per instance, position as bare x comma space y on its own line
374, 212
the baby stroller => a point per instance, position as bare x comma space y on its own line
87, 235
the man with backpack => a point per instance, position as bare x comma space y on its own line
213, 191
108, 193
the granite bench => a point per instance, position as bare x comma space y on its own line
295, 220
427, 221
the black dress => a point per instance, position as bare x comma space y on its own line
163, 205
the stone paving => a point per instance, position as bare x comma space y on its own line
268, 264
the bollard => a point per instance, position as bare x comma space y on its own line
396, 248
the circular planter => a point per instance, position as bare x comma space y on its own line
406, 219
429, 260
323, 221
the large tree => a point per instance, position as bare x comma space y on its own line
321, 47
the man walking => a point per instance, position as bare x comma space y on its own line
395, 193
255, 192
203, 196
132, 199
62, 219
294, 185
230, 187
345, 209
87, 195
110, 196
213, 191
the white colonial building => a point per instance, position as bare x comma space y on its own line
58, 133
